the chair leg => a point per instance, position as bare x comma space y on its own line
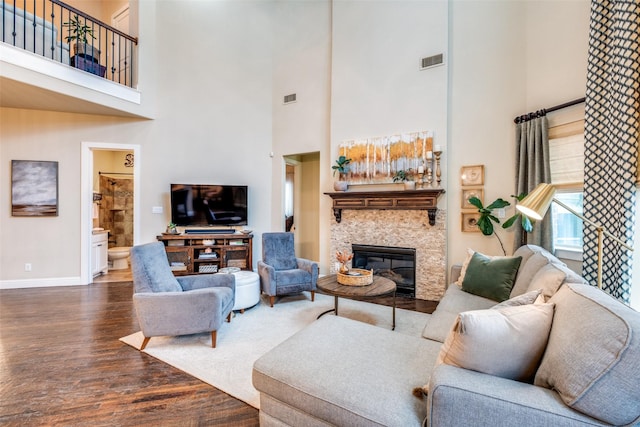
313, 296
272, 299
214, 335
145, 341
229, 317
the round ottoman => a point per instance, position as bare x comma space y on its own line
247, 289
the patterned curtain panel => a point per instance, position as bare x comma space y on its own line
611, 139
532, 168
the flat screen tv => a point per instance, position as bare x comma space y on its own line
208, 205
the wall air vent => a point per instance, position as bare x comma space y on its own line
288, 99
431, 61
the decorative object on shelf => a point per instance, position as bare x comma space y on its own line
172, 229
437, 152
472, 175
245, 231
406, 177
420, 177
34, 188
343, 258
355, 277
536, 205
208, 242
342, 167
467, 193
85, 56
376, 160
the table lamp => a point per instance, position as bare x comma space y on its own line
536, 204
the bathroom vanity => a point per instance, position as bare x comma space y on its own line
99, 252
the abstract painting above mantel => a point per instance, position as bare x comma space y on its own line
376, 160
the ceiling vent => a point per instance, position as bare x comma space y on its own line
431, 61
288, 99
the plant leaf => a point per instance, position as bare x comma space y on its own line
527, 225
508, 223
498, 204
477, 203
485, 226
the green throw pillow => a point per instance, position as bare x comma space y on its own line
491, 278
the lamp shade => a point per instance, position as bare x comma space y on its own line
536, 204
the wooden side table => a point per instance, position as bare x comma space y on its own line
381, 286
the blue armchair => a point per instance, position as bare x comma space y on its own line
281, 272
170, 306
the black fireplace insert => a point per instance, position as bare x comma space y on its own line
397, 264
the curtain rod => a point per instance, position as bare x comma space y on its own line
544, 111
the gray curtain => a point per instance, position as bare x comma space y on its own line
532, 168
611, 139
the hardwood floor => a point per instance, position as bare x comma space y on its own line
61, 363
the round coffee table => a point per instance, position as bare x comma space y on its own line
381, 286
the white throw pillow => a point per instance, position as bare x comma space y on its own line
507, 342
549, 279
465, 264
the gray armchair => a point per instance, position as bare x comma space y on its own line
172, 306
281, 272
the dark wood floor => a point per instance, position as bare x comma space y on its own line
61, 363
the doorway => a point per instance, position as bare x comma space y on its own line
110, 200
302, 202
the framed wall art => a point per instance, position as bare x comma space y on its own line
34, 188
472, 175
376, 160
467, 193
470, 221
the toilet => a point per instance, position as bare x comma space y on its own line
118, 257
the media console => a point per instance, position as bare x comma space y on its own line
197, 253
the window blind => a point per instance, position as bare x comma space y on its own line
566, 154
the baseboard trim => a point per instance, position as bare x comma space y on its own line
40, 283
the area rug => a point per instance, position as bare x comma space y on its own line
251, 334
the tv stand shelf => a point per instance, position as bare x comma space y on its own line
194, 253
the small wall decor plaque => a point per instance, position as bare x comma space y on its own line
472, 175
470, 221
34, 188
467, 193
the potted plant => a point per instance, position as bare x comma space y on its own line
85, 55
406, 177
342, 167
486, 219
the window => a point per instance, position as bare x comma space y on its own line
566, 159
567, 228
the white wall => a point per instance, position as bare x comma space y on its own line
507, 59
216, 91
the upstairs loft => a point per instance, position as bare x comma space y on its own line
56, 57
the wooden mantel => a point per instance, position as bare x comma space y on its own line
426, 199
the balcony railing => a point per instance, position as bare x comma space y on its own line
60, 32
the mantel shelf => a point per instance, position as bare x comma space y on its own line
426, 199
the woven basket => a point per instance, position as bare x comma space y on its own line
360, 278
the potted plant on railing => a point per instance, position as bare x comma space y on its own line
342, 167
406, 177
85, 55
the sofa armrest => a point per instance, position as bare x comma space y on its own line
456, 269
267, 278
462, 397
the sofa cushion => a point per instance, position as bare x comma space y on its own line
454, 301
465, 264
524, 299
507, 342
348, 373
592, 355
491, 278
527, 271
548, 280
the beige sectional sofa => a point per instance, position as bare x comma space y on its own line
342, 372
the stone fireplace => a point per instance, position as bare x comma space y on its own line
403, 229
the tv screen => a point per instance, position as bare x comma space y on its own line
207, 205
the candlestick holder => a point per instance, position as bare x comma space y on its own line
421, 180
437, 155
429, 176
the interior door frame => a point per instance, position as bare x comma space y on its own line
86, 199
